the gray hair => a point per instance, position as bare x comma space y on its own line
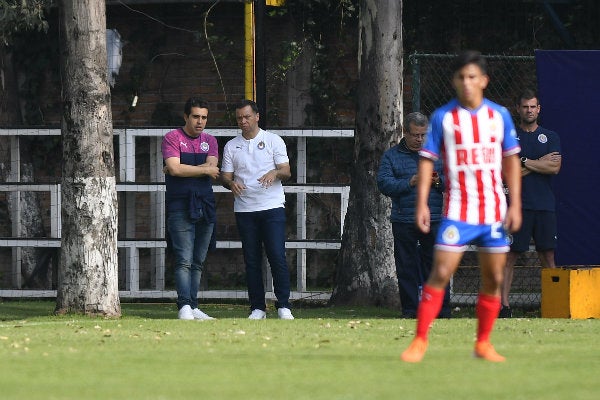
416, 118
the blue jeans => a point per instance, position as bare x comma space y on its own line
413, 253
190, 242
264, 228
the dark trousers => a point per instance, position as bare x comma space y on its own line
264, 228
413, 253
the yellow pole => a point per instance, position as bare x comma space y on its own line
249, 81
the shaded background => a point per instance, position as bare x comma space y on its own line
569, 90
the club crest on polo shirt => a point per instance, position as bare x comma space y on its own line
260, 145
542, 138
451, 235
204, 146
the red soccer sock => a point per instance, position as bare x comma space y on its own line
487, 310
429, 307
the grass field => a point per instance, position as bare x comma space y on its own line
326, 353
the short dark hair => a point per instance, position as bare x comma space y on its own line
527, 94
469, 57
245, 103
416, 118
194, 102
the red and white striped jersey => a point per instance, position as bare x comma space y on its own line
472, 144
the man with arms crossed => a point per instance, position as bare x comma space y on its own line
540, 161
191, 157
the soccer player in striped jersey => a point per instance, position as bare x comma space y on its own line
476, 139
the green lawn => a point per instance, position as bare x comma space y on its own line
326, 353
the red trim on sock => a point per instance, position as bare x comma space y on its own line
429, 307
487, 310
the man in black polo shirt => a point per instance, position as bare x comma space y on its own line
540, 160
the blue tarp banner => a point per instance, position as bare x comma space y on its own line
569, 94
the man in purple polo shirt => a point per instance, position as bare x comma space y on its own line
190, 157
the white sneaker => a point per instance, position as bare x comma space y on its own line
198, 314
284, 313
257, 314
186, 313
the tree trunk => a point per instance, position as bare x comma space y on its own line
365, 270
87, 278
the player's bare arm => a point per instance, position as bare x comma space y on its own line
174, 167
548, 164
511, 167
422, 213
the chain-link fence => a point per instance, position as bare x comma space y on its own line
429, 86
430, 77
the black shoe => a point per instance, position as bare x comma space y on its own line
505, 312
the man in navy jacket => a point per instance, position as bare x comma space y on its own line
413, 249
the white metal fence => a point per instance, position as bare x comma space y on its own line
128, 187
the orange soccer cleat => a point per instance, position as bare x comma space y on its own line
415, 352
486, 351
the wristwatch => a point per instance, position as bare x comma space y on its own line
523, 161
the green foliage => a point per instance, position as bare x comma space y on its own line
319, 24
326, 353
24, 31
22, 15
291, 50
36, 58
323, 15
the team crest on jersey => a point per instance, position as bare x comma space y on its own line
542, 138
204, 146
260, 145
451, 235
